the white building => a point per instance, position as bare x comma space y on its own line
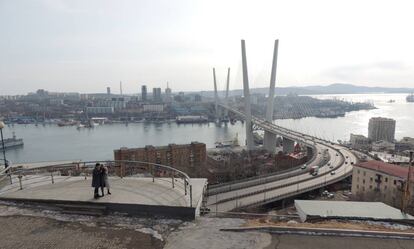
382, 146
100, 110
359, 142
153, 108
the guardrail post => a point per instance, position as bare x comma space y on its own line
172, 180
185, 186
84, 171
191, 195
121, 169
152, 173
51, 175
20, 181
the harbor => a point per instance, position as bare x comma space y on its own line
49, 142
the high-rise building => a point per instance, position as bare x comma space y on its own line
197, 98
381, 129
156, 94
168, 94
108, 90
144, 93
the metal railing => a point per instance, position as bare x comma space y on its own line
274, 198
31, 176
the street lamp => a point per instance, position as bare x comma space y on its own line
2, 142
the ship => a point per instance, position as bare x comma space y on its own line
11, 143
228, 144
63, 123
191, 119
410, 98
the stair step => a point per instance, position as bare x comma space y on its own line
82, 212
81, 207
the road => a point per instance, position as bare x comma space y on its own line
334, 160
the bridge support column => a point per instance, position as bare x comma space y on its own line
309, 152
247, 107
226, 100
288, 145
269, 141
215, 95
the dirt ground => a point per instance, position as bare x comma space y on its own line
42, 233
324, 242
334, 224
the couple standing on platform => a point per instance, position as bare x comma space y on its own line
100, 180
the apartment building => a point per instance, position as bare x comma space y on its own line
379, 181
189, 158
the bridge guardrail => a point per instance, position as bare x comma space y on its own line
301, 191
252, 181
214, 189
287, 184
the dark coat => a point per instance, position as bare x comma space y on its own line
105, 177
97, 180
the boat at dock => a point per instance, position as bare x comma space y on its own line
63, 123
10, 143
191, 119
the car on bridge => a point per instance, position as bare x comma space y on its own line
314, 170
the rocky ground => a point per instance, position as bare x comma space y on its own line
35, 227
40, 232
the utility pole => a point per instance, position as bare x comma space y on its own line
2, 125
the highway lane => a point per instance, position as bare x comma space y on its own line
266, 186
289, 190
339, 157
265, 179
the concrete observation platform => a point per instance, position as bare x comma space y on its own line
131, 195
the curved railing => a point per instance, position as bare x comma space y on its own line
32, 176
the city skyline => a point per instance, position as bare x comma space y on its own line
76, 46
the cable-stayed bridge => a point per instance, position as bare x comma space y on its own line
333, 160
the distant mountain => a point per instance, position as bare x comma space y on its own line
315, 90
351, 89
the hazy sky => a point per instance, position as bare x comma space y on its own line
87, 45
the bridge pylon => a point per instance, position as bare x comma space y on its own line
220, 113
269, 140
226, 99
247, 106
216, 110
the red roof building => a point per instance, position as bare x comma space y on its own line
386, 168
379, 181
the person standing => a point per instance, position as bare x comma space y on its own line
105, 179
96, 179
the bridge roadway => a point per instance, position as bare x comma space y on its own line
329, 157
